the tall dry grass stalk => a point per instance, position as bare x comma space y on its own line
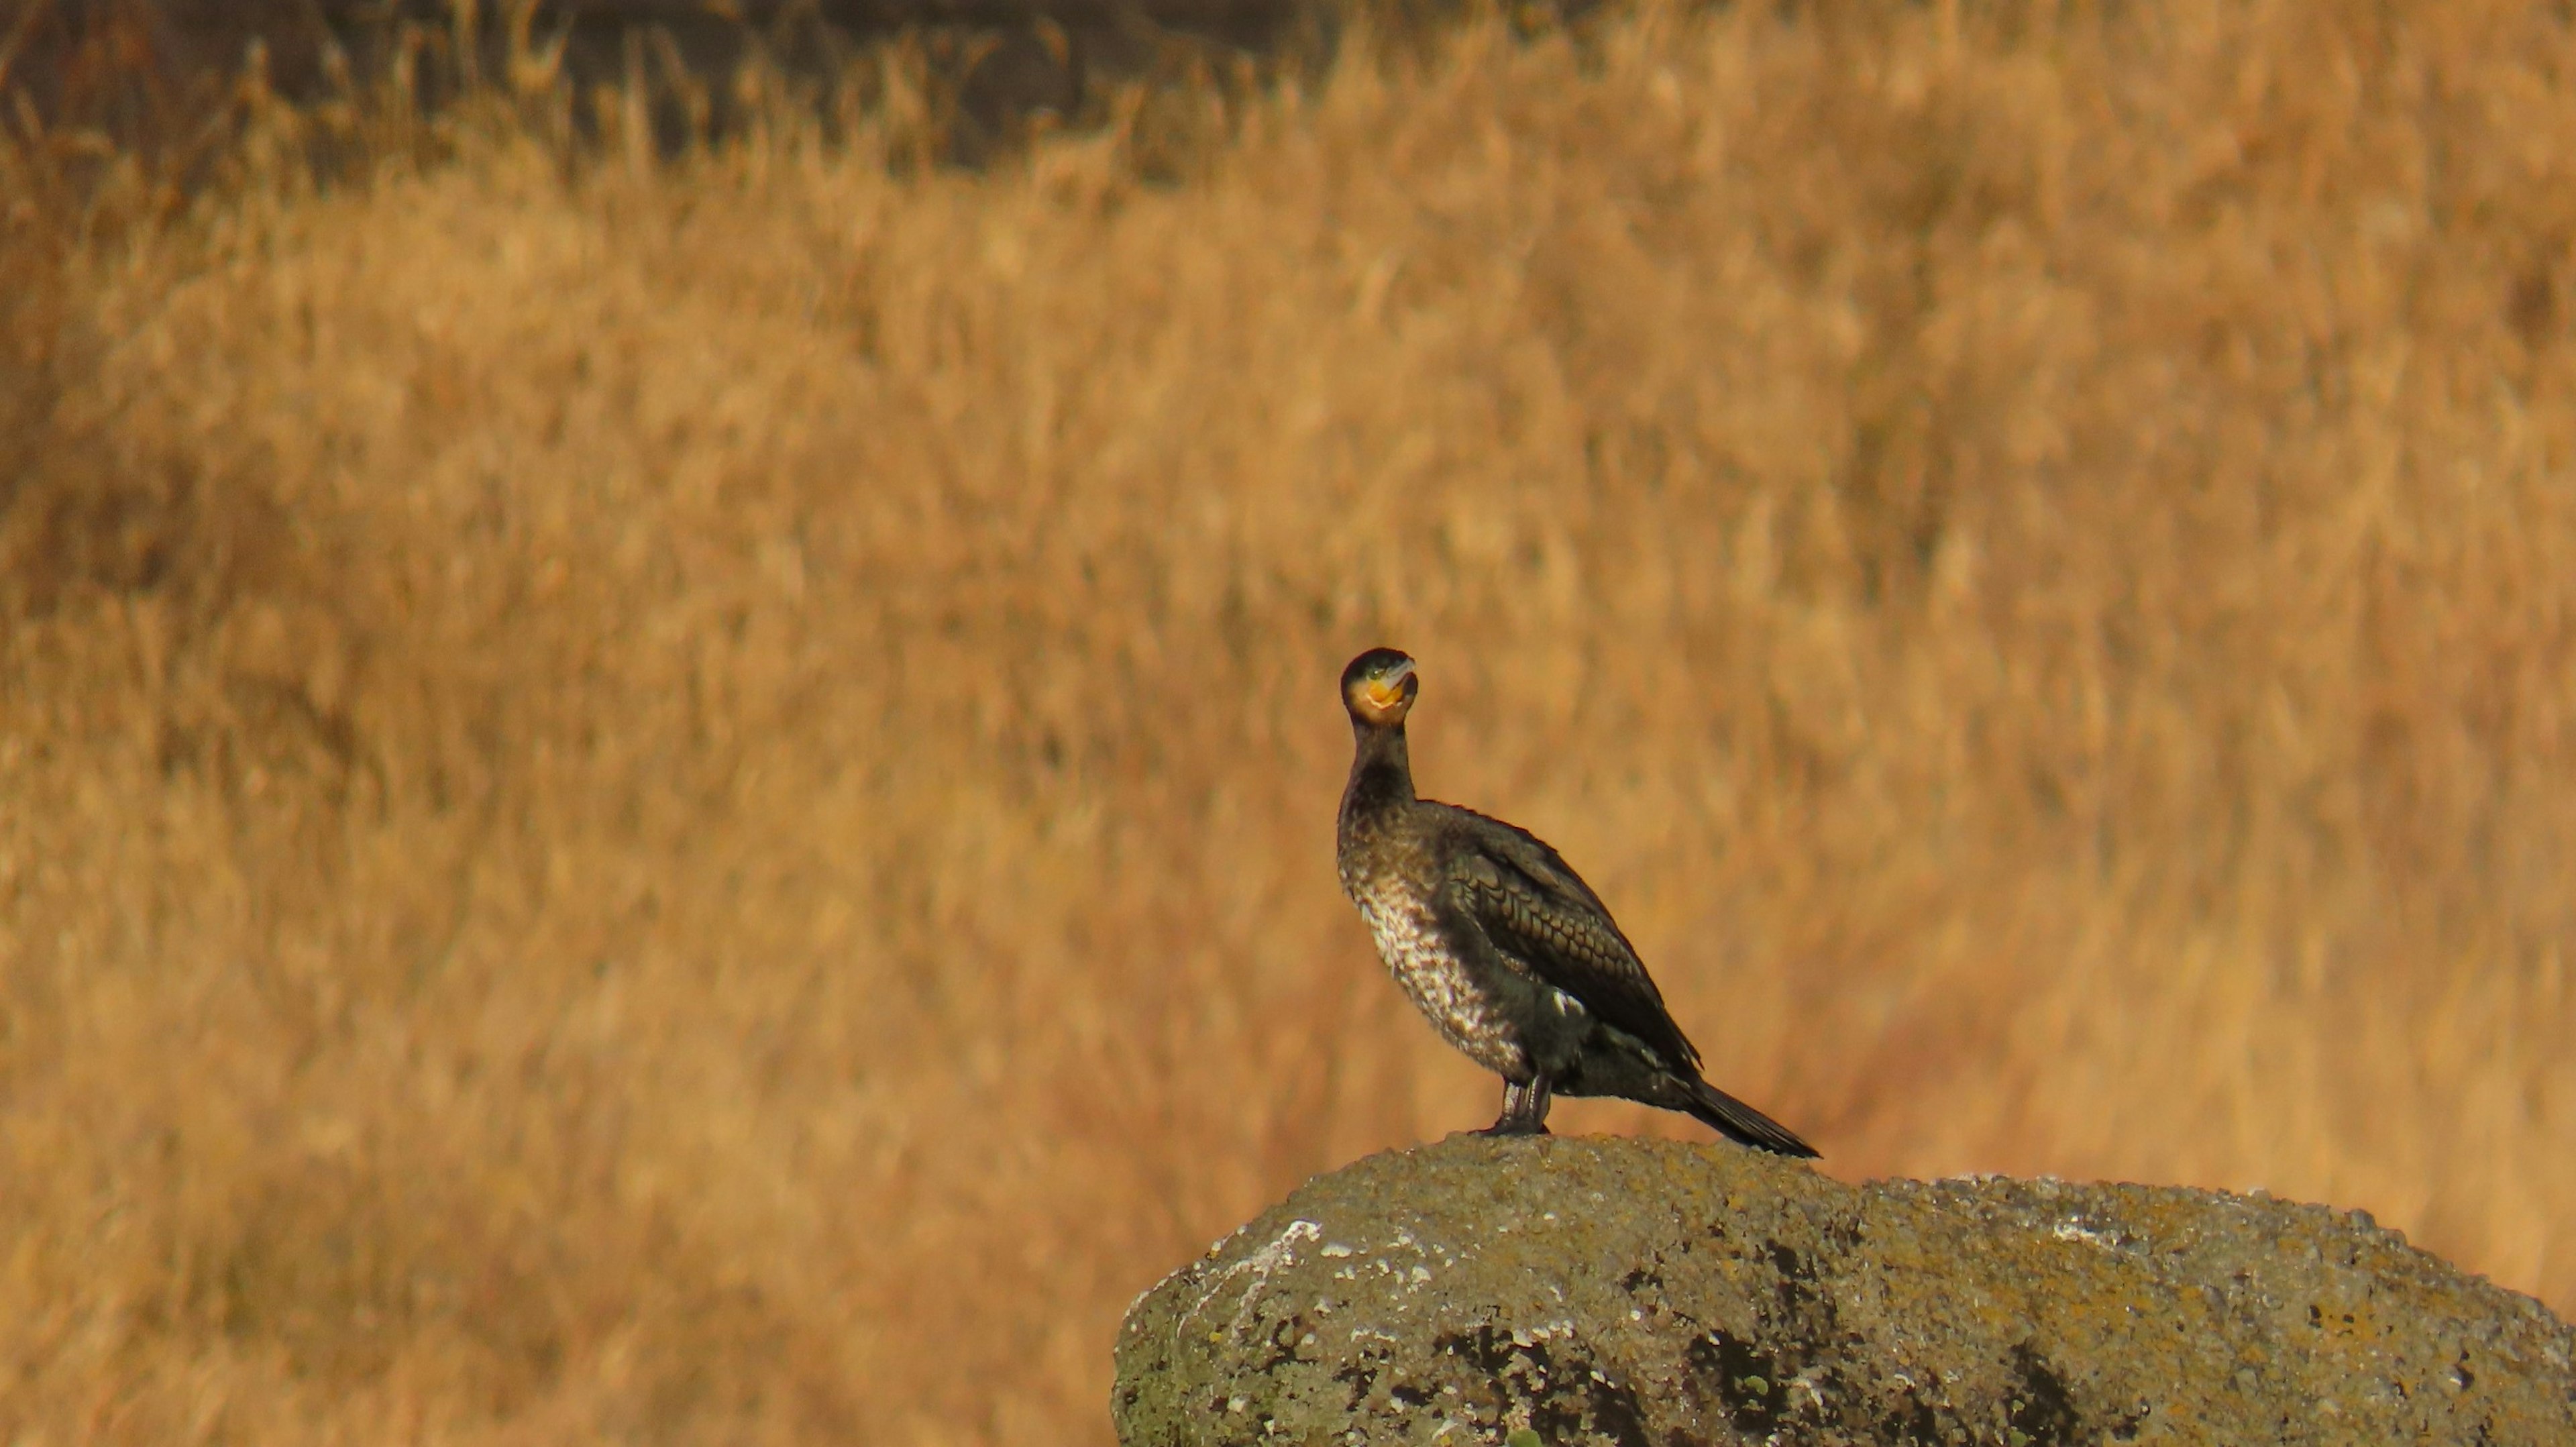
693, 802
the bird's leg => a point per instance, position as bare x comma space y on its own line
1524, 1107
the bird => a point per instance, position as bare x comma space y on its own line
1512, 957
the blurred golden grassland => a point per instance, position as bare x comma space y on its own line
694, 801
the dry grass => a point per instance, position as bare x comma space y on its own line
694, 802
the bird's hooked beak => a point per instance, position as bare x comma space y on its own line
1394, 688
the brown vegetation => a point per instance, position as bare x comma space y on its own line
693, 802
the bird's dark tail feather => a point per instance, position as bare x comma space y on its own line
1739, 1122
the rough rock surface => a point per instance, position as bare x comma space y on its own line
1543, 1291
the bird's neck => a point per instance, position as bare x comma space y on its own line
1381, 771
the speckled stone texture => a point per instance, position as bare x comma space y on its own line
1545, 1291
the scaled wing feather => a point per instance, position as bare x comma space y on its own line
1538, 911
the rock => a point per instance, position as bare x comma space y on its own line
1546, 1291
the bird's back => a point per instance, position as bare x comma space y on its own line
1537, 911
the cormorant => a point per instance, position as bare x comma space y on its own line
1512, 956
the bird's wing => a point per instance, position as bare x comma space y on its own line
1534, 908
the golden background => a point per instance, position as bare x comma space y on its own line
691, 800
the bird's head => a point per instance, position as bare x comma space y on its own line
1379, 686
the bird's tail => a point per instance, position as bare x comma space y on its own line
1739, 1122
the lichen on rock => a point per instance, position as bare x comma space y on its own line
1645, 1293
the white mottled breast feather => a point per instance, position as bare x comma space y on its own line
1457, 1005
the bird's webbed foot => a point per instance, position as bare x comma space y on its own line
1524, 1109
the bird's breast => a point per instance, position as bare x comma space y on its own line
1453, 995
